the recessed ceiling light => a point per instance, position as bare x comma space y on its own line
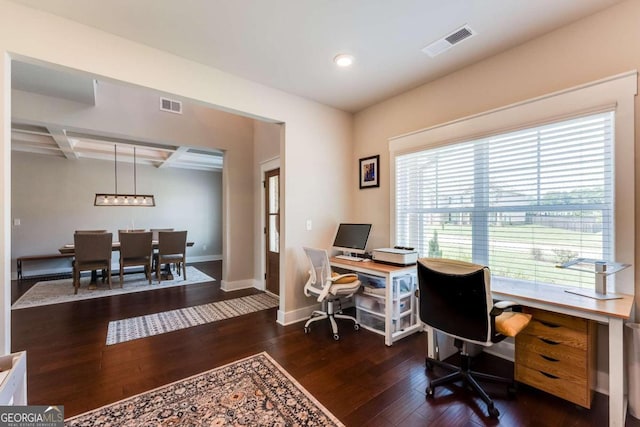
343, 60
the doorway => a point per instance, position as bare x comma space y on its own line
272, 230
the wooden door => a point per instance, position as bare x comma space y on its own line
272, 230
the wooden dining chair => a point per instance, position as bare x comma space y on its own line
154, 237
155, 232
172, 249
136, 249
92, 252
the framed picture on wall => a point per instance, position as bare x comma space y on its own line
370, 172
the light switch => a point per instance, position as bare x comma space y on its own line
309, 225
16, 222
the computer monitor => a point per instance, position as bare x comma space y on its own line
352, 238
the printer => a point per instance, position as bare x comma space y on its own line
395, 256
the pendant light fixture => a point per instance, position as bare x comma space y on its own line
115, 199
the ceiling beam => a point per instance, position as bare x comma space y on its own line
174, 157
59, 135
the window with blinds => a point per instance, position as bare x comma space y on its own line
520, 202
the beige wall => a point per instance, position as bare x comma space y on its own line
317, 140
266, 152
593, 48
599, 46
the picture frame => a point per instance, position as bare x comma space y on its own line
370, 172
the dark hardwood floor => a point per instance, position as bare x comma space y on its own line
359, 379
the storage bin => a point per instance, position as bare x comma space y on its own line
401, 323
368, 303
372, 281
371, 320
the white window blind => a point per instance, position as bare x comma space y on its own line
520, 202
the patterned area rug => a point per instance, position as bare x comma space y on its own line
255, 391
60, 291
167, 321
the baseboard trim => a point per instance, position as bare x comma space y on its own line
203, 258
235, 285
296, 316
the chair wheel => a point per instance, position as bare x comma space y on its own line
430, 391
336, 337
493, 411
306, 329
429, 366
356, 326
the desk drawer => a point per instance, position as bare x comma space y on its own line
574, 391
560, 360
528, 346
558, 319
555, 333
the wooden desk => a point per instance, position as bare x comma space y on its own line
389, 273
610, 312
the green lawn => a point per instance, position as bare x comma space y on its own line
509, 256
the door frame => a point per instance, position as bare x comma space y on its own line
265, 166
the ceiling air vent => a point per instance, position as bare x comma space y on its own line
171, 105
446, 42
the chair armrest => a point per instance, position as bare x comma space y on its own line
500, 306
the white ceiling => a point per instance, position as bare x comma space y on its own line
290, 44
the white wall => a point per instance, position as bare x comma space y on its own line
53, 190
316, 155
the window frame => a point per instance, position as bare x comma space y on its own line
613, 93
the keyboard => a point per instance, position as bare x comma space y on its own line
349, 258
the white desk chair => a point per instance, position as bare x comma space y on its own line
328, 287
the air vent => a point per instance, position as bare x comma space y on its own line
447, 42
171, 105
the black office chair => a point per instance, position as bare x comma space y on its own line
455, 298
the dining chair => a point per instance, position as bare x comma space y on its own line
172, 249
154, 237
129, 230
136, 249
155, 232
90, 231
92, 252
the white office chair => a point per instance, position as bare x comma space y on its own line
329, 288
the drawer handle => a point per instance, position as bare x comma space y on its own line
548, 341
549, 375
550, 359
548, 324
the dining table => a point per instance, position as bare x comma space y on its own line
69, 248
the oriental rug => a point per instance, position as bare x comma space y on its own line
255, 391
61, 291
173, 320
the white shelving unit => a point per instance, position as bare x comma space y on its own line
386, 304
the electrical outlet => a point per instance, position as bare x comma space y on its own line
16, 222
309, 225
204, 247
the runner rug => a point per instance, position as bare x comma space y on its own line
60, 291
255, 391
168, 321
